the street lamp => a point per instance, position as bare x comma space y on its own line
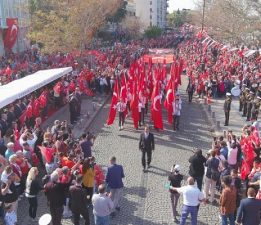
203, 16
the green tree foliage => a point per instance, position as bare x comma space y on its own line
178, 18
67, 25
152, 32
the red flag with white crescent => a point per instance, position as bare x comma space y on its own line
156, 112
11, 32
135, 106
114, 101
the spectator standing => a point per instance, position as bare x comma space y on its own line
196, 168
212, 176
102, 206
114, 180
175, 179
78, 202
228, 201
86, 145
192, 197
249, 209
32, 189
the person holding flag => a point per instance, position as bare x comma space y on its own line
121, 107
176, 112
142, 105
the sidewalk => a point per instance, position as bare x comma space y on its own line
90, 108
216, 116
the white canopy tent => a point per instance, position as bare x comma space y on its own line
24, 86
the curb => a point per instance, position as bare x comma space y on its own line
92, 118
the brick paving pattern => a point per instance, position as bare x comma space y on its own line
145, 200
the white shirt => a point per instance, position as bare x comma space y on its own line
102, 205
232, 155
191, 195
121, 107
176, 108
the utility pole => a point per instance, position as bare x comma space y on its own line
203, 16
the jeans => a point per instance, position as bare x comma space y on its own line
32, 207
174, 197
199, 182
101, 220
176, 122
210, 185
116, 194
230, 217
121, 119
193, 210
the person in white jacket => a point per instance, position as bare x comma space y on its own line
176, 112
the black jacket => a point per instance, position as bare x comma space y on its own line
146, 144
78, 200
196, 168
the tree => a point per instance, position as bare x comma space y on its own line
120, 14
131, 25
66, 25
236, 21
153, 32
178, 18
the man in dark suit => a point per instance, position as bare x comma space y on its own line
146, 145
190, 90
249, 209
78, 202
227, 107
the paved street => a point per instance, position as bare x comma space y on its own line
145, 200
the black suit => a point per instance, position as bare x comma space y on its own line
146, 145
190, 90
249, 211
78, 204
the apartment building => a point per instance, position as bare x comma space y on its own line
151, 12
14, 10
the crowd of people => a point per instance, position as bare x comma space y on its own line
71, 174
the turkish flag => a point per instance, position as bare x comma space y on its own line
123, 93
156, 112
42, 99
135, 106
36, 108
47, 153
114, 101
29, 110
169, 100
11, 33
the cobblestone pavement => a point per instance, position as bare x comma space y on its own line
145, 200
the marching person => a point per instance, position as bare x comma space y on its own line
142, 105
175, 179
121, 107
114, 177
190, 90
176, 112
227, 107
146, 145
192, 197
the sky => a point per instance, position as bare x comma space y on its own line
180, 4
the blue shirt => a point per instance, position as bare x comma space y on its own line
224, 152
8, 153
87, 148
114, 176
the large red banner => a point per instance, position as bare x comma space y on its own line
11, 33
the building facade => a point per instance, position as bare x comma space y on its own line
151, 12
14, 9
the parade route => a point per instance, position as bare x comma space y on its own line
145, 200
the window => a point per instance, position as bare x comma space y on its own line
150, 2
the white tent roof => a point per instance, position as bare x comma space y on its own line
24, 86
